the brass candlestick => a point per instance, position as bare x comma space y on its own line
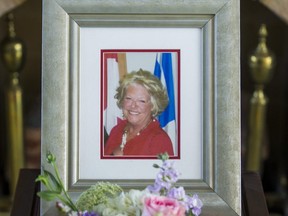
12, 53
261, 64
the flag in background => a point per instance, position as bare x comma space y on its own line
164, 71
113, 70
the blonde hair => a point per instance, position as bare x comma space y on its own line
151, 83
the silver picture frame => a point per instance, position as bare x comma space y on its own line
219, 22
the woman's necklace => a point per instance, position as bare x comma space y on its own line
124, 140
125, 134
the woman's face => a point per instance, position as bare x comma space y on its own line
137, 105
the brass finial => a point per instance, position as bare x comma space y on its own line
13, 53
262, 61
261, 64
13, 50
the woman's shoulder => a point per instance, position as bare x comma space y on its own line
159, 136
120, 125
156, 128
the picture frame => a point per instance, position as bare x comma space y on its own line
220, 183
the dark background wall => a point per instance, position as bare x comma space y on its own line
253, 14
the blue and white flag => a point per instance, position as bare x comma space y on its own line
164, 71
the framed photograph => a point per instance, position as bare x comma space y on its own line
204, 35
115, 65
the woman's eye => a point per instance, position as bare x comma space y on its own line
127, 98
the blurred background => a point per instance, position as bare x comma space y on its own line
272, 152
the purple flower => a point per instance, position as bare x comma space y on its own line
86, 213
177, 193
195, 204
164, 185
156, 188
163, 182
167, 165
167, 175
165, 179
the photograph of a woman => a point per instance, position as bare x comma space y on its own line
141, 97
140, 103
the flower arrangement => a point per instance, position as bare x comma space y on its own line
162, 198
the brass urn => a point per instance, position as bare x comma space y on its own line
12, 54
261, 63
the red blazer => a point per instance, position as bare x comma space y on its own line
152, 141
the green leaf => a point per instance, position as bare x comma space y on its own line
57, 185
43, 179
156, 166
48, 195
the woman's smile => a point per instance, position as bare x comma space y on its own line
133, 112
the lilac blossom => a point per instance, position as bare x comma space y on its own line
169, 171
195, 204
86, 213
165, 185
155, 188
177, 193
165, 179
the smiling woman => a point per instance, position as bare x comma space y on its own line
141, 97
161, 65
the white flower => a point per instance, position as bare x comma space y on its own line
126, 204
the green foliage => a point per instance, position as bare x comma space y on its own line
97, 194
48, 195
163, 156
54, 186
